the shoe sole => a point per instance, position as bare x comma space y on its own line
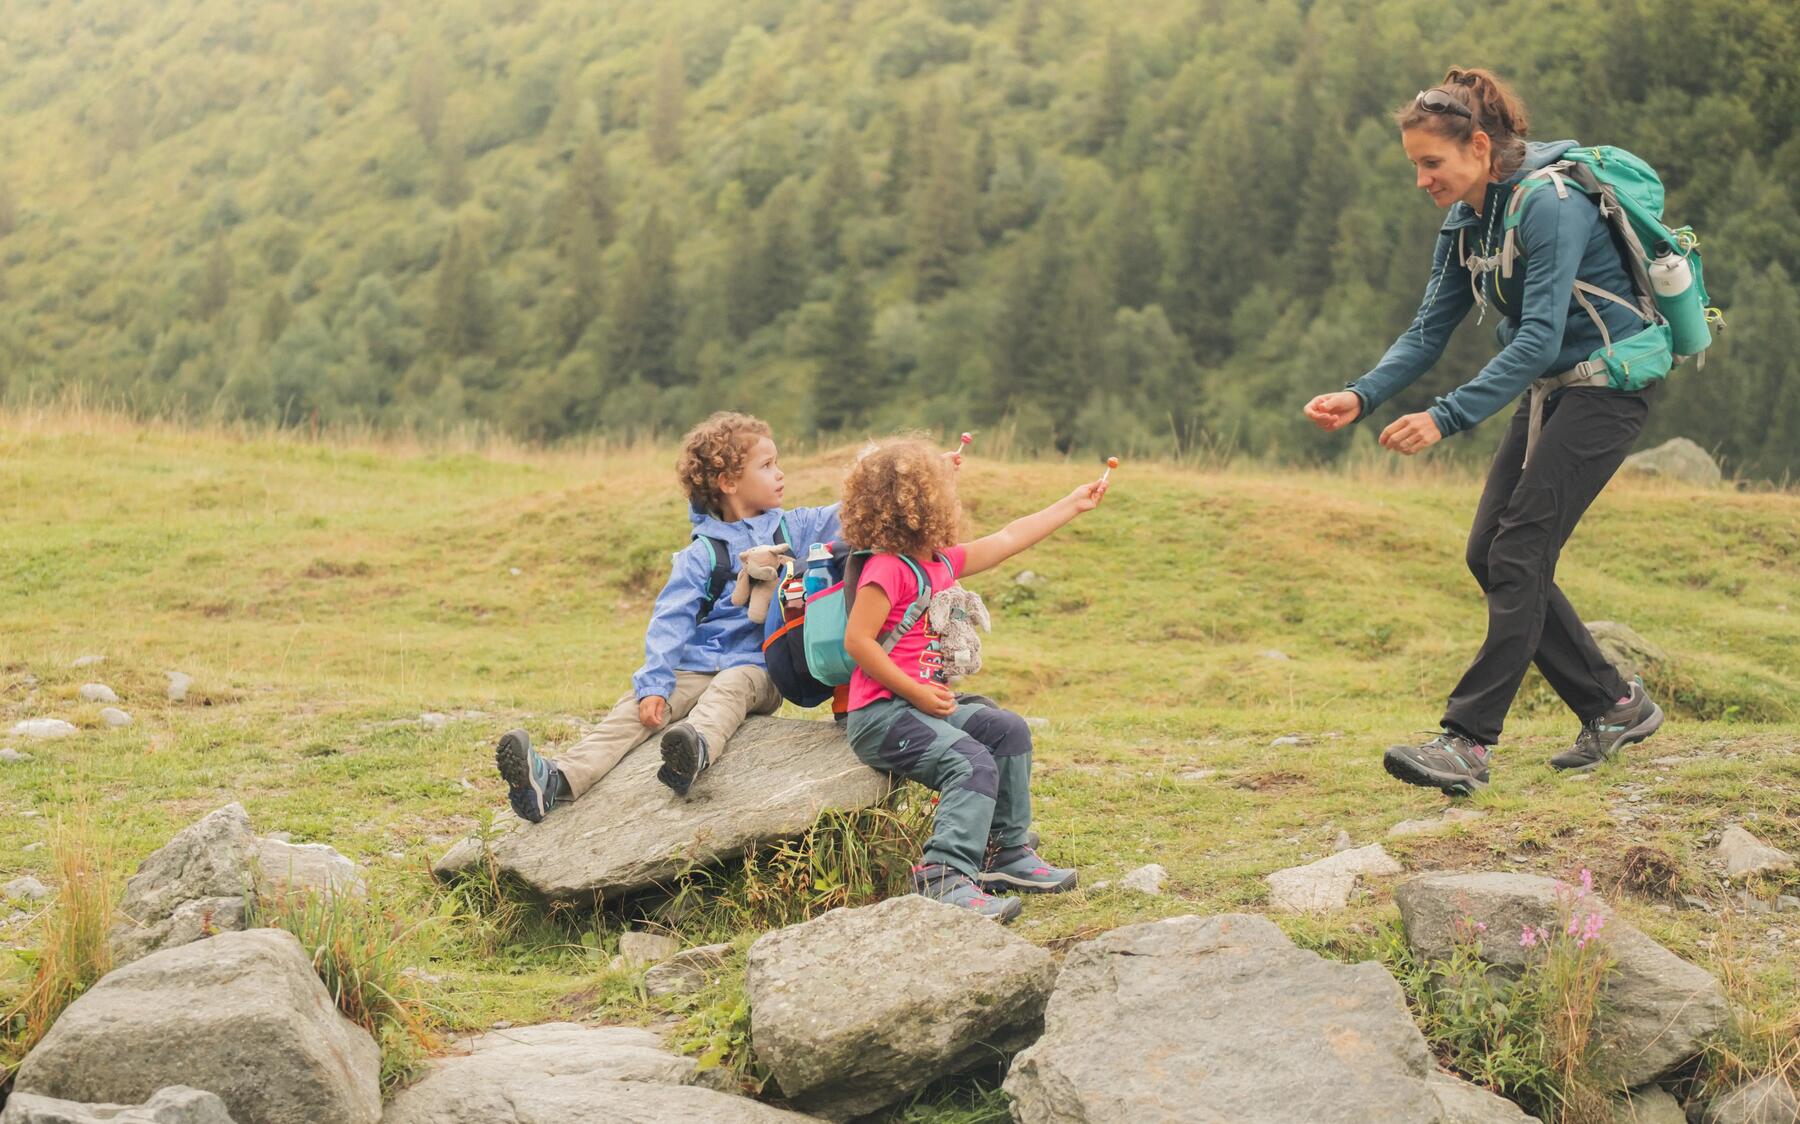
1652, 723
1450, 784
994, 878
513, 758
681, 760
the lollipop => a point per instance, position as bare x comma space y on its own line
1111, 463
962, 445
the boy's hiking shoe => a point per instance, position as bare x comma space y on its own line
942, 884
1450, 763
1022, 868
684, 757
533, 784
1601, 739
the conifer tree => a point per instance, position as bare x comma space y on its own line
845, 382
462, 314
666, 104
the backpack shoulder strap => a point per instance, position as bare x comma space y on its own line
719, 579
888, 637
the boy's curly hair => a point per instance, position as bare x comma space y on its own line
716, 450
900, 498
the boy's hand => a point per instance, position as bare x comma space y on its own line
652, 710
936, 700
1088, 496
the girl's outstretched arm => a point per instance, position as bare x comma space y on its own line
1029, 530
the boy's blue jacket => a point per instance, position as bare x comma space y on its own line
728, 637
1542, 330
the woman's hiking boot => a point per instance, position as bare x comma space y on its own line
1632, 720
1451, 763
1022, 868
533, 785
684, 757
942, 884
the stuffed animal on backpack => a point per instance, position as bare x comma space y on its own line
955, 614
759, 572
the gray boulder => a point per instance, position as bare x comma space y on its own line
242, 1015
24, 887
176, 1104
307, 867
1224, 1019
43, 728
855, 1009
1626, 650
1463, 1103
1745, 855
1658, 1009
1767, 1100
1327, 883
688, 970
198, 883
1677, 459
569, 1073
629, 832
1650, 1104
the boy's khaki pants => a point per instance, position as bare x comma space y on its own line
714, 704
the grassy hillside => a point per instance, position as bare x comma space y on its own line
323, 595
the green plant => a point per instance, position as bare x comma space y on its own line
715, 1026
72, 953
487, 911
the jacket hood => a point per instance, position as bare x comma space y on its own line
760, 528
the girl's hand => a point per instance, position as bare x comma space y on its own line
1088, 496
1334, 411
936, 700
651, 711
1411, 434
954, 456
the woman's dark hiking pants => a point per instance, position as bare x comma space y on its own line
1526, 514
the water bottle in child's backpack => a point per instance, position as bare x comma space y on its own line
818, 568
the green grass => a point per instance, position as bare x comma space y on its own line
322, 595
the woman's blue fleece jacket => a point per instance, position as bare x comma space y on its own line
727, 637
1542, 329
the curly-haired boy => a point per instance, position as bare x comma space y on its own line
703, 663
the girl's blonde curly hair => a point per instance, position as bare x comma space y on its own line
716, 450
900, 498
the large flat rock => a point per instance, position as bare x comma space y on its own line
629, 832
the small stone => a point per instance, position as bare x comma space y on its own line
1693, 902
1197, 774
1326, 884
432, 720
87, 661
1578, 778
1449, 817
114, 717
1342, 843
11, 756
640, 948
515, 571
686, 971
30, 847
1745, 855
98, 693
1145, 880
1289, 739
1647, 1104
1275, 654
280, 836
421, 975
1787, 903
179, 682
1027, 577
1754, 905
25, 887
1037, 723
43, 728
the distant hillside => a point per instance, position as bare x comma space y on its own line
1114, 226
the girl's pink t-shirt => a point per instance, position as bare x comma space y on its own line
914, 654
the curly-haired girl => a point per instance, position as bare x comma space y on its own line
900, 501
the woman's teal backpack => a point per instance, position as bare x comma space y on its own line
1664, 263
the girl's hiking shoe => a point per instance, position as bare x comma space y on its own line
1022, 868
533, 784
1450, 763
994, 848
1601, 739
942, 884
684, 757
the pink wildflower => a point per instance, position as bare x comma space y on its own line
1527, 938
1587, 882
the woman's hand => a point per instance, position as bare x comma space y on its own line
935, 699
1411, 434
1334, 411
1088, 496
651, 710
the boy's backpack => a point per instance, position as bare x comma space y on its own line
806, 656
1664, 264
723, 573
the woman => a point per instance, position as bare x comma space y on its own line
1466, 138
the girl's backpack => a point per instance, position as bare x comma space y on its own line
805, 654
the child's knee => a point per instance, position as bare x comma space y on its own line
970, 765
1002, 731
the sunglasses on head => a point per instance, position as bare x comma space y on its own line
1435, 100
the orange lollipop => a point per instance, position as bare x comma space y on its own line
1111, 463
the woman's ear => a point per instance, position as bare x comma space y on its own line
1481, 147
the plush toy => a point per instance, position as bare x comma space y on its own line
954, 615
759, 571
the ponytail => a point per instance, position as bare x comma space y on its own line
1493, 108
